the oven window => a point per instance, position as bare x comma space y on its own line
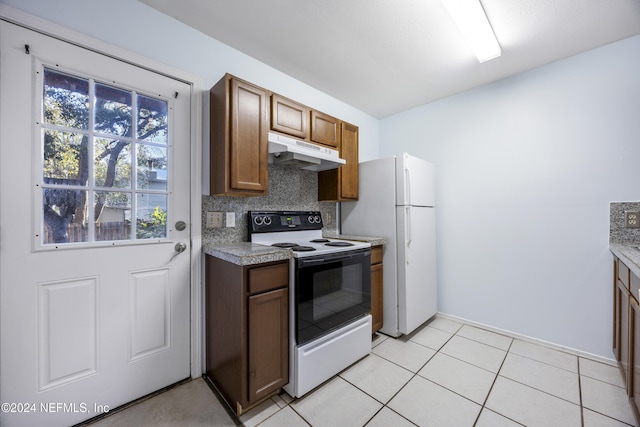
331, 295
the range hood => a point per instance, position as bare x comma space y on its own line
292, 152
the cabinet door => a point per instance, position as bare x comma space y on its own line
621, 349
376, 297
342, 184
268, 343
634, 359
249, 153
325, 129
289, 117
349, 171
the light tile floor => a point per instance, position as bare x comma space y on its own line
445, 374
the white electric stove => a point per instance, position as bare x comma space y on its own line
329, 295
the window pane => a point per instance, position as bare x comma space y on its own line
112, 111
113, 215
152, 168
65, 158
112, 167
65, 216
152, 120
66, 100
151, 217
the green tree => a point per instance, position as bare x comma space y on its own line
66, 155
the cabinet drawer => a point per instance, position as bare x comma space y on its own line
269, 277
623, 274
376, 255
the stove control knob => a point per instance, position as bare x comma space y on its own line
259, 220
267, 220
318, 219
310, 219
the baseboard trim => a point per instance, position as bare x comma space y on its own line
532, 340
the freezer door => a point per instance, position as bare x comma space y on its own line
414, 181
417, 289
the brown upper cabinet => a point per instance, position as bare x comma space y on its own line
325, 129
289, 117
342, 183
238, 138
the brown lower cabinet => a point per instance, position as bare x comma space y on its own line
247, 330
376, 288
626, 330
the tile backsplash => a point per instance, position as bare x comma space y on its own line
289, 189
617, 231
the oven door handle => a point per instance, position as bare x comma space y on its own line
302, 262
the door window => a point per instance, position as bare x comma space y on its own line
105, 162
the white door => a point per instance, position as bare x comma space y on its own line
417, 290
94, 177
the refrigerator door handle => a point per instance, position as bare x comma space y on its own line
407, 232
407, 187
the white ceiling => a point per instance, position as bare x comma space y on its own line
386, 56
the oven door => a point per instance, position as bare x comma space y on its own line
331, 291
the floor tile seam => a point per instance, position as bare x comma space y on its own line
478, 342
546, 363
563, 371
373, 397
296, 412
395, 412
486, 343
454, 392
495, 378
464, 361
406, 369
602, 381
472, 364
541, 391
431, 348
444, 330
498, 413
607, 416
580, 393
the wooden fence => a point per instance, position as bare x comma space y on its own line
104, 231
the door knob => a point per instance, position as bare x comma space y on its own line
180, 247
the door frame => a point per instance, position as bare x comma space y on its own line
50, 29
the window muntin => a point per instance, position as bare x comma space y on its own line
122, 193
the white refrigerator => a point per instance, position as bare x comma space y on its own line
397, 201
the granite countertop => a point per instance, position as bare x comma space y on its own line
247, 253
629, 254
375, 241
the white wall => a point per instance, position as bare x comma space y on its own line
526, 168
138, 28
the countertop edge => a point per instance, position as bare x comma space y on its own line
628, 254
247, 253
373, 240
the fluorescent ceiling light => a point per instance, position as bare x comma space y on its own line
470, 18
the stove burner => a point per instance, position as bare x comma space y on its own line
302, 248
285, 245
320, 241
339, 244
